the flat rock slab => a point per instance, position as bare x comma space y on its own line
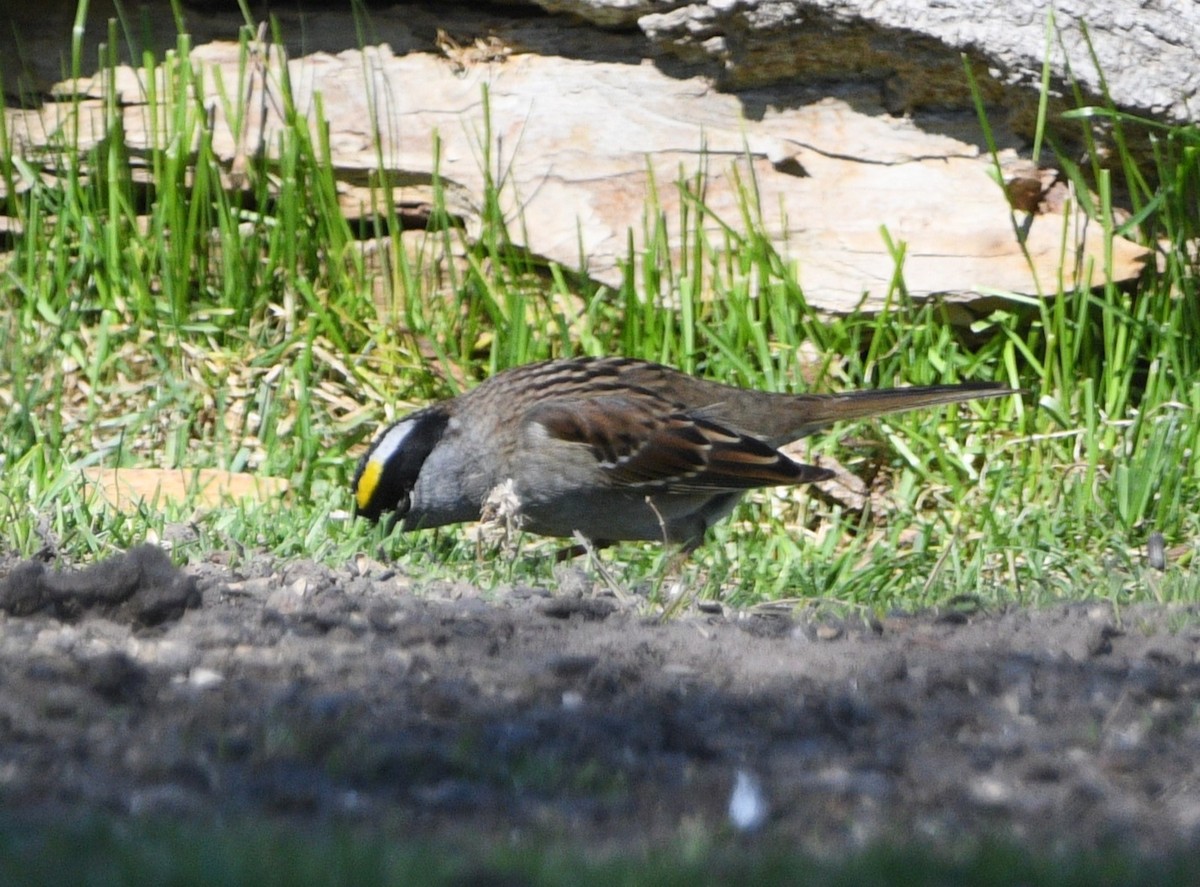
293, 689
580, 146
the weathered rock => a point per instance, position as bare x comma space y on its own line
581, 144
1146, 52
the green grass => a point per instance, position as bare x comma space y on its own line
99, 853
149, 315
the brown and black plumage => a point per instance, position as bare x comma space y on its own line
612, 448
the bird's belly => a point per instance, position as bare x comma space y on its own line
613, 517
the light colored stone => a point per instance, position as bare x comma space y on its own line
580, 144
1146, 52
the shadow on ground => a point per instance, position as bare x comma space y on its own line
295, 690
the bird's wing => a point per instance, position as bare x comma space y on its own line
643, 442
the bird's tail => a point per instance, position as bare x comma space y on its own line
813, 412
858, 404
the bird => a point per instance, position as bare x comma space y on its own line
610, 448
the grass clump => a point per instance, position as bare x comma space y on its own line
265, 853
163, 309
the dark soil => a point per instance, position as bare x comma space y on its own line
295, 690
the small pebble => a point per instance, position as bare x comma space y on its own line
747, 804
829, 632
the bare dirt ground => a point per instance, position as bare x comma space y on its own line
291, 689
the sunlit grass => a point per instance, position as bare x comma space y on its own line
152, 313
156, 314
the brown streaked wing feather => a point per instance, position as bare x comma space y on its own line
640, 441
741, 462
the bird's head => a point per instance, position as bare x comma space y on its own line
388, 472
